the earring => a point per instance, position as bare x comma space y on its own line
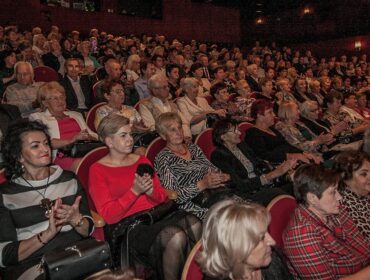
23, 168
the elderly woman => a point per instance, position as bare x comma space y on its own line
133, 68
362, 107
321, 241
249, 174
297, 133
348, 111
267, 142
65, 127
355, 187
42, 206
244, 98
195, 108
120, 191
196, 71
184, 168
310, 116
90, 62
236, 244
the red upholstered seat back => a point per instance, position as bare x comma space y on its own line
45, 74
192, 270
244, 126
204, 141
83, 175
154, 148
281, 208
90, 117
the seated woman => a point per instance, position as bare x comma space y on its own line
296, 133
184, 168
321, 241
355, 188
362, 107
310, 117
267, 90
65, 127
118, 192
267, 142
42, 207
221, 101
236, 244
244, 99
249, 174
204, 86
348, 113
89, 61
195, 108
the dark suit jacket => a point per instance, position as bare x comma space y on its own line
253, 84
86, 86
51, 60
228, 163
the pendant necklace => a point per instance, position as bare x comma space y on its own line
45, 202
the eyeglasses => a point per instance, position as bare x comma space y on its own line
234, 130
56, 98
118, 91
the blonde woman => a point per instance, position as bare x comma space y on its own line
236, 244
133, 68
65, 127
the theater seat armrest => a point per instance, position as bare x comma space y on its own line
171, 194
98, 220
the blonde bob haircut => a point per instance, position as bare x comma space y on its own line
110, 125
286, 110
230, 233
161, 124
45, 89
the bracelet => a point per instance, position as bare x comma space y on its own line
39, 238
80, 222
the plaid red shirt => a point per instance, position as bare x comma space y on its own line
318, 251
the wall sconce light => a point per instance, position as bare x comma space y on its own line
259, 21
358, 45
306, 11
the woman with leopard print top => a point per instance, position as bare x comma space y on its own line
355, 187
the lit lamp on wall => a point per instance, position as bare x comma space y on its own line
306, 11
259, 21
358, 46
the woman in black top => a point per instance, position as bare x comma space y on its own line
266, 142
249, 175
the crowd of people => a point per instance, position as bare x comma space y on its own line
308, 119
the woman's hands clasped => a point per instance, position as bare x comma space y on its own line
143, 184
213, 180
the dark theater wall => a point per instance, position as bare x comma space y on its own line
182, 19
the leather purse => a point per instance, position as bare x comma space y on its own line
81, 148
208, 197
77, 261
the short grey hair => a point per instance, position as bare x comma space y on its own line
153, 81
307, 106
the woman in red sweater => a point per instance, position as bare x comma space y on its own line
119, 192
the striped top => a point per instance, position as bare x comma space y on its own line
22, 217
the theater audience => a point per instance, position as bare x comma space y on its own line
321, 241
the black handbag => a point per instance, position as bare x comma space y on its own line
81, 148
118, 234
77, 261
208, 197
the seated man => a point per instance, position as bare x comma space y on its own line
147, 69
23, 93
114, 73
78, 88
151, 108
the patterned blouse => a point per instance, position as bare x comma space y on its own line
126, 111
358, 208
294, 136
182, 176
